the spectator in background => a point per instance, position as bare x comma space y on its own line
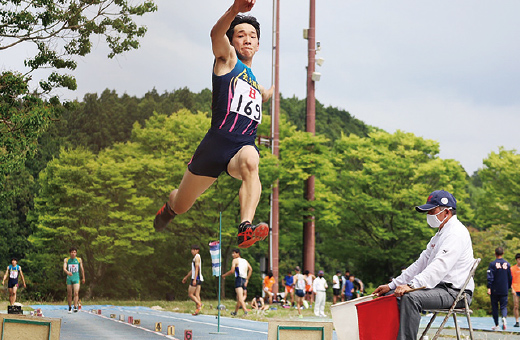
499, 281
336, 287
359, 287
515, 286
344, 279
258, 303
269, 282
319, 287
349, 288
299, 290
289, 288
309, 280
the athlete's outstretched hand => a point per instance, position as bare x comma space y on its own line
243, 6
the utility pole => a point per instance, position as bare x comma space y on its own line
275, 133
309, 224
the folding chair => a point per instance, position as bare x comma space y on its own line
453, 311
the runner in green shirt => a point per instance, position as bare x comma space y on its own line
72, 266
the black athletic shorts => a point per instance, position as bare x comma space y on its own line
198, 283
12, 283
336, 291
240, 282
300, 293
214, 153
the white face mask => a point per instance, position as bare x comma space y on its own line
433, 221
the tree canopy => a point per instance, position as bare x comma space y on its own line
60, 31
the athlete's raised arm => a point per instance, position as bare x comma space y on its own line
224, 52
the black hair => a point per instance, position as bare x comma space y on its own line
499, 251
517, 256
243, 19
236, 250
306, 272
14, 259
196, 247
73, 248
270, 273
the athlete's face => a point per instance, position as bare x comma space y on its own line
245, 41
194, 252
14, 262
73, 254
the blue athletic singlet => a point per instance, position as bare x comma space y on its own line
236, 112
237, 103
14, 271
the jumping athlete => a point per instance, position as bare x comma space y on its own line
72, 266
196, 279
229, 145
13, 271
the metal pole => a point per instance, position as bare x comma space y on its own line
275, 130
309, 226
220, 261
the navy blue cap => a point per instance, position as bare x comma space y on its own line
436, 199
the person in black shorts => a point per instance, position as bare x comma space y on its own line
229, 145
13, 272
196, 279
242, 270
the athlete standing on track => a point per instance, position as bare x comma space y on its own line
72, 266
243, 271
196, 279
13, 271
229, 144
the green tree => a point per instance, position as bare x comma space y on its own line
60, 30
498, 202
379, 180
95, 205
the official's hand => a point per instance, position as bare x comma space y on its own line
381, 290
489, 291
401, 290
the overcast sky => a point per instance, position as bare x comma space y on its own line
443, 70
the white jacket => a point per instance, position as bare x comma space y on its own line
448, 258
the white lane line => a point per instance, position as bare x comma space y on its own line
204, 323
135, 326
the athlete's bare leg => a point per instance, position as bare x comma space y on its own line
12, 295
193, 293
515, 306
240, 300
191, 187
75, 287
244, 166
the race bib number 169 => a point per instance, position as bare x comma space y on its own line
247, 101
